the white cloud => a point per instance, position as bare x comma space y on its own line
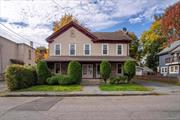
96, 15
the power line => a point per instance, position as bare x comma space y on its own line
23, 38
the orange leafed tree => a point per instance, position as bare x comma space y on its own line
67, 18
40, 54
171, 21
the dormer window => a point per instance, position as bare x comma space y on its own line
72, 49
57, 49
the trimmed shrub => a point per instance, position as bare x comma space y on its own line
19, 76
42, 72
65, 80
105, 70
53, 80
75, 72
129, 69
118, 79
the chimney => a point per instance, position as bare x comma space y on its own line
31, 43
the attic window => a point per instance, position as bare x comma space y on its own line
72, 33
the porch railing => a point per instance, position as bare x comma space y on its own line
172, 59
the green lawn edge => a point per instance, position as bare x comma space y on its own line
123, 87
52, 88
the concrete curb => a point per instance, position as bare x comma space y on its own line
46, 94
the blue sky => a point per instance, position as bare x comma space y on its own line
33, 19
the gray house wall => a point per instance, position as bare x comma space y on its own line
11, 50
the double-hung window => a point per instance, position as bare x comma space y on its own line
119, 48
87, 49
72, 49
104, 49
57, 49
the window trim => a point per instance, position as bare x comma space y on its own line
107, 49
121, 69
121, 49
173, 72
89, 49
70, 49
163, 70
55, 49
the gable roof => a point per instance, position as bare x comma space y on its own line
168, 49
112, 37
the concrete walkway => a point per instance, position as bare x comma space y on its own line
91, 89
160, 87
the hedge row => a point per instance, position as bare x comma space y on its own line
18, 76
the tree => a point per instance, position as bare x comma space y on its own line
67, 18
42, 72
75, 71
129, 69
105, 70
134, 46
171, 21
40, 54
153, 41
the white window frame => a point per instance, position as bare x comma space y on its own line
121, 69
89, 49
107, 49
173, 72
70, 49
121, 49
163, 70
55, 49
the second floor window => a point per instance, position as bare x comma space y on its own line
57, 49
104, 49
119, 49
87, 49
72, 49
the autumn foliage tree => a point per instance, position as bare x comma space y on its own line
171, 21
40, 54
67, 18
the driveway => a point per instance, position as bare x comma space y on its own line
160, 87
164, 107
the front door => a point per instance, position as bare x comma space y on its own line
97, 70
87, 70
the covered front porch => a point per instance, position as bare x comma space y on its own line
90, 64
90, 70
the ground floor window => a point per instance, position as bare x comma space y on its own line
174, 69
163, 70
57, 67
119, 68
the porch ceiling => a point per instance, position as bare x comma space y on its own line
89, 58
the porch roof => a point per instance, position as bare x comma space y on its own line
89, 58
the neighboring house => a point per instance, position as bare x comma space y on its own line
144, 71
73, 42
12, 52
169, 60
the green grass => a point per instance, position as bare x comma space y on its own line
56, 88
124, 87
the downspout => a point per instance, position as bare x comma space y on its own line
1, 59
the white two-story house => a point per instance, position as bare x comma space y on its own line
73, 42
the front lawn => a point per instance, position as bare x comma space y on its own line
55, 88
123, 87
